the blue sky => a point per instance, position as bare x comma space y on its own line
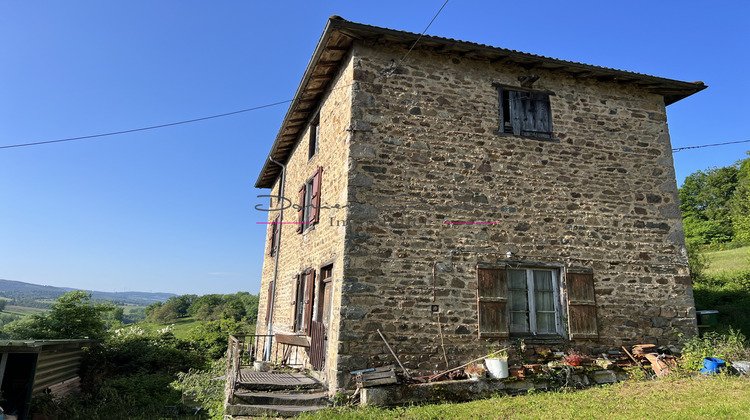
171, 210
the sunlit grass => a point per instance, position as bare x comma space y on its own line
687, 398
180, 327
728, 261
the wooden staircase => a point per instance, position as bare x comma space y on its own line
275, 394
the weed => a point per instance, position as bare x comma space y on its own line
728, 347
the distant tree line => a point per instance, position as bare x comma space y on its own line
238, 307
715, 204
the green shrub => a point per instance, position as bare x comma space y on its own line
728, 347
203, 387
697, 261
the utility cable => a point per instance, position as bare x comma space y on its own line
708, 145
147, 128
417, 40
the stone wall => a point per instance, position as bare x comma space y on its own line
323, 243
423, 153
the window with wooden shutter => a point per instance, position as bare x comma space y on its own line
581, 305
299, 299
308, 212
301, 210
525, 113
309, 296
315, 198
274, 239
492, 291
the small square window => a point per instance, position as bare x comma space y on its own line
525, 113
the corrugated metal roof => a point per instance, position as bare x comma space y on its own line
339, 34
36, 344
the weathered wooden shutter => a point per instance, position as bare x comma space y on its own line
296, 302
274, 240
515, 101
309, 293
315, 199
301, 210
581, 305
530, 113
492, 302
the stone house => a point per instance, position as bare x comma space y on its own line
457, 197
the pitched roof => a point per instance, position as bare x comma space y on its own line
336, 41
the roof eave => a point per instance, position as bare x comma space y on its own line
672, 90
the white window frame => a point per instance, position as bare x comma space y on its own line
559, 330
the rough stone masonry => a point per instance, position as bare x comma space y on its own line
429, 190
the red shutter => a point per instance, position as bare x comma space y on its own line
301, 210
274, 240
492, 301
310, 292
581, 305
315, 210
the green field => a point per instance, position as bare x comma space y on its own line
22, 310
728, 261
719, 397
180, 327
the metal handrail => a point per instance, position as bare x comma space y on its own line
235, 347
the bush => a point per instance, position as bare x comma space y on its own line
728, 347
204, 388
211, 337
697, 261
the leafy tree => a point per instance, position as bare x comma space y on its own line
73, 315
705, 204
182, 303
3, 302
212, 300
162, 314
740, 203
212, 337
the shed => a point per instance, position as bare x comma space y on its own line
30, 367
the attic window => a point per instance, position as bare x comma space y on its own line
524, 112
313, 137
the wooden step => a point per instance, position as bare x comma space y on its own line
281, 398
270, 410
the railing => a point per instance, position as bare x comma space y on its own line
249, 345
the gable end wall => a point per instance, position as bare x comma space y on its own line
424, 152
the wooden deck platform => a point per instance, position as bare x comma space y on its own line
249, 377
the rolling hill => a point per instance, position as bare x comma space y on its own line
20, 291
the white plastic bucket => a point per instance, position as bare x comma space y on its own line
497, 368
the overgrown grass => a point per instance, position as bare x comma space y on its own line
731, 260
179, 328
718, 397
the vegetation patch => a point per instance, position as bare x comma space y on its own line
681, 398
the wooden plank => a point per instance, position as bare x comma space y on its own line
368, 376
292, 340
384, 381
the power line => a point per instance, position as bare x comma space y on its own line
709, 145
419, 37
147, 128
